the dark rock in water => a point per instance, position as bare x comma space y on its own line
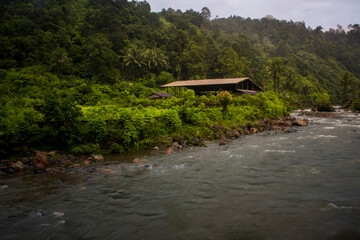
291, 130
221, 143
40, 160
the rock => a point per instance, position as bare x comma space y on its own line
291, 130
232, 134
245, 132
25, 160
52, 153
263, 123
254, 130
86, 162
139, 160
221, 143
40, 160
299, 122
96, 158
177, 145
108, 171
197, 142
156, 148
75, 165
169, 150
18, 166
285, 123
276, 128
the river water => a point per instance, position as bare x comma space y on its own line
301, 185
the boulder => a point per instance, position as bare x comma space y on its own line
169, 150
232, 134
40, 160
245, 132
276, 128
299, 122
18, 166
263, 123
254, 130
221, 143
156, 148
177, 145
96, 158
86, 162
285, 123
139, 160
52, 153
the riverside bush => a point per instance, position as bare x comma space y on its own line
90, 118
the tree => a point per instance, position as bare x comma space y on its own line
205, 13
346, 81
231, 65
155, 59
59, 59
133, 58
276, 68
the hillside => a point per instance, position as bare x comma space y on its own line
58, 58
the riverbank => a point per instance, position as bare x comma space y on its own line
260, 186
59, 162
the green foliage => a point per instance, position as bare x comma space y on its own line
224, 97
77, 73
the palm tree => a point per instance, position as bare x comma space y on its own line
155, 60
59, 59
133, 57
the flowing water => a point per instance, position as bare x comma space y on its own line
301, 185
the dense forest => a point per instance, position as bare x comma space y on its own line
66, 63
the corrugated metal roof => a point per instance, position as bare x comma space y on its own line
205, 82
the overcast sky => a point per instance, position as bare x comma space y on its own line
325, 13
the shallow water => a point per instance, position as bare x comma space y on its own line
302, 185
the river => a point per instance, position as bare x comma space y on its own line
300, 185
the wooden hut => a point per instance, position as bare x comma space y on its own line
233, 85
159, 95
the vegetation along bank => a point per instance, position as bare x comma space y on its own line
75, 75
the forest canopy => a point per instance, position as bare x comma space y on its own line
59, 58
